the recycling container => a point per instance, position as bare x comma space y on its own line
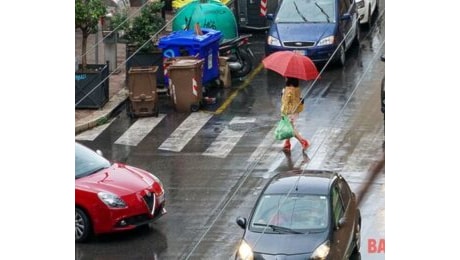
167, 62
188, 43
143, 58
208, 14
186, 84
142, 87
224, 72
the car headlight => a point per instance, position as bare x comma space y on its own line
321, 252
157, 180
245, 252
158, 187
273, 41
360, 4
326, 41
111, 200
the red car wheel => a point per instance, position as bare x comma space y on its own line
82, 226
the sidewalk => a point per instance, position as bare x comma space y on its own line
118, 92
88, 118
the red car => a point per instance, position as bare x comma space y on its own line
112, 197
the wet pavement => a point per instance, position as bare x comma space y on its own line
206, 189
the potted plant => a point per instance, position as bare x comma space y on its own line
141, 38
91, 80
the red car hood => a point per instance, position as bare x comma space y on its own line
119, 179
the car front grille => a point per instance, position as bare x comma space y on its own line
141, 219
150, 202
299, 44
134, 220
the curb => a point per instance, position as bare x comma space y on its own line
101, 116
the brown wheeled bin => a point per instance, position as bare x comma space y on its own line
185, 87
142, 87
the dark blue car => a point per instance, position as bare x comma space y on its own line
319, 29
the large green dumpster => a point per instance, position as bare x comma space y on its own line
208, 14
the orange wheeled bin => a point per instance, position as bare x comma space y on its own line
142, 87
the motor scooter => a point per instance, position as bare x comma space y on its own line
240, 56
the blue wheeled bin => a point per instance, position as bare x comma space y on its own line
187, 43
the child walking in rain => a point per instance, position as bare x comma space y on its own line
292, 105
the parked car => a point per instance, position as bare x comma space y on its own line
366, 10
113, 197
309, 215
314, 28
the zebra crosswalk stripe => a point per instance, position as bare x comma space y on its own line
185, 132
228, 138
92, 134
139, 130
320, 145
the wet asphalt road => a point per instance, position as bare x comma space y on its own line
205, 193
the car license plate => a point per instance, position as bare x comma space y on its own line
301, 52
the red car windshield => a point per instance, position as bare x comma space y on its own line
87, 161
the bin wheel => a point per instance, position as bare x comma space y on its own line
129, 109
195, 107
156, 110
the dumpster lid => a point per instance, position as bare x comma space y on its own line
137, 69
186, 63
189, 37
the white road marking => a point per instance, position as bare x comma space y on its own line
320, 143
228, 138
93, 133
274, 155
139, 130
262, 151
365, 151
185, 132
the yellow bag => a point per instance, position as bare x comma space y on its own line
290, 101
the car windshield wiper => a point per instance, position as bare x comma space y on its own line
284, 229
322, 11
300, 14
279, 228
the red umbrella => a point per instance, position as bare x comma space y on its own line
291, 64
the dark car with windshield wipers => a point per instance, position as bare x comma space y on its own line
302, 215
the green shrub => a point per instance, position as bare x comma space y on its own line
144, 26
